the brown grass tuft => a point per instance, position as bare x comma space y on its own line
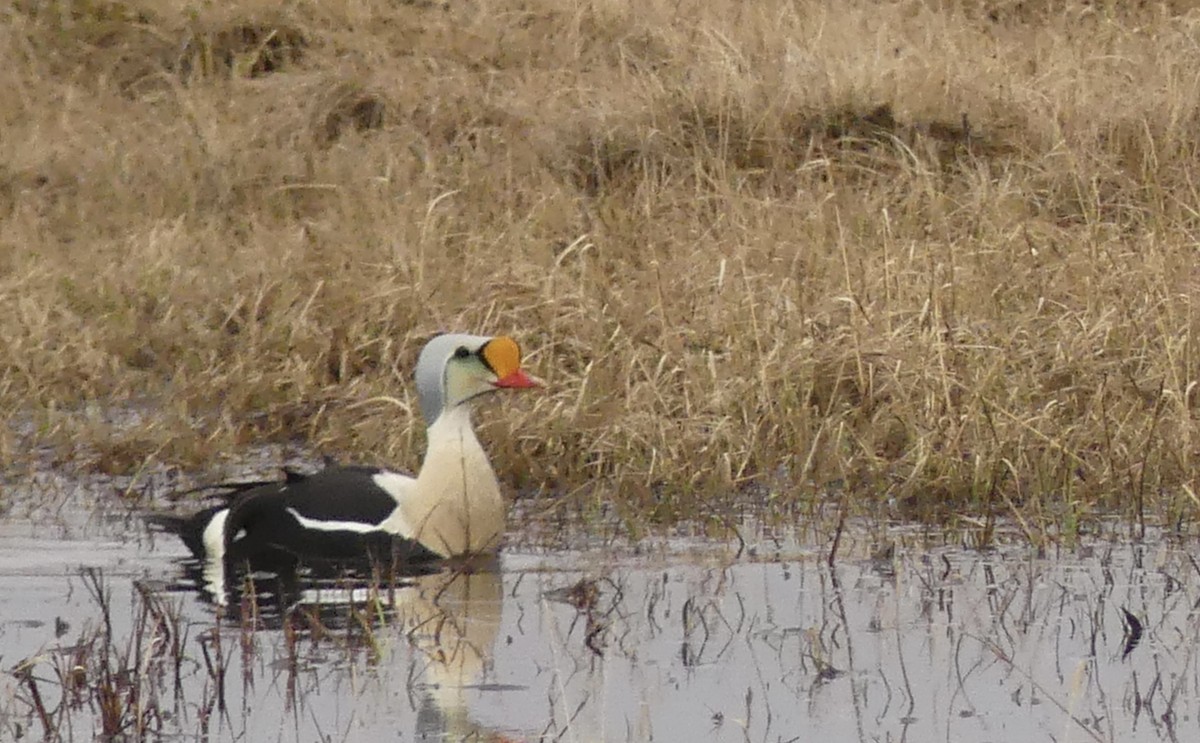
942, 259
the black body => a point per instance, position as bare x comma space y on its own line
260, 527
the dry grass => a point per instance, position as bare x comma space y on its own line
938, 253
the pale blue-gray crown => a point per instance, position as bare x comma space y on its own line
431, 370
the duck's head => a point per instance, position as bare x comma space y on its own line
454, 368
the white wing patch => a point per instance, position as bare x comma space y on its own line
401, 488
358, 527
394, 484
214, 535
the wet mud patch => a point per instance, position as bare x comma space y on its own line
665, 639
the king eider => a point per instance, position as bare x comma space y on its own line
453, 507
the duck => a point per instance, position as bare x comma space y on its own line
453, 507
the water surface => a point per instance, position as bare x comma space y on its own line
682, 640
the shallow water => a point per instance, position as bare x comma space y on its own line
685, 641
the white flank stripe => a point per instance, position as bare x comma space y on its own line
214, 535
357, 527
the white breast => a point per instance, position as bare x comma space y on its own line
455, 506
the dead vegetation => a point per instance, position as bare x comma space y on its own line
124, 687
145, 671
939, 256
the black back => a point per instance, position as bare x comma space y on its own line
259, 520
334, 494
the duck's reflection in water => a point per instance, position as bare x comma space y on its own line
452, 619
449, 613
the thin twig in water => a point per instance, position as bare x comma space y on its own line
837, 537
1000, 655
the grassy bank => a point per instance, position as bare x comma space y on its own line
937, 254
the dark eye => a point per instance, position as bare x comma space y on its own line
462, 352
